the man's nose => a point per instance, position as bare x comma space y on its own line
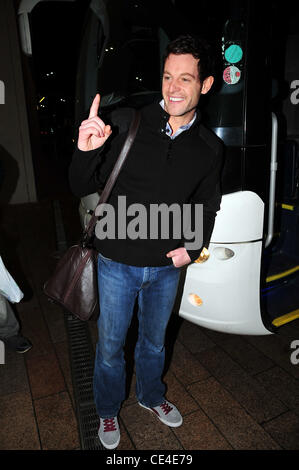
174, 86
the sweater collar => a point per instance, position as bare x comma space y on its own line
195, 120
181, 129
155, 116
185, 126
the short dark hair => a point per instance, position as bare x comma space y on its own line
199, 48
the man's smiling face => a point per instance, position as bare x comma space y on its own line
181, 86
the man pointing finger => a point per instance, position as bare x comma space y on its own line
93, 132
174, 159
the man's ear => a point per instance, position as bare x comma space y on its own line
207, 84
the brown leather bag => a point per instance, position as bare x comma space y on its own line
74, 282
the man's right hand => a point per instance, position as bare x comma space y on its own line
93, 132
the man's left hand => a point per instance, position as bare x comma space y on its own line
179, 257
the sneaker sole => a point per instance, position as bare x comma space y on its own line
111, 446
171, 425
23, 351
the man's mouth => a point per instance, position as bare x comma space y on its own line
175, 99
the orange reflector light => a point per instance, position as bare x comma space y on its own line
195, 300
204, 256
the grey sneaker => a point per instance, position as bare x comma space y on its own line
167, 413
109, 432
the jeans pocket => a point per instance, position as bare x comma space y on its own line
173, 266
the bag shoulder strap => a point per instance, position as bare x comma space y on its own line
115, 172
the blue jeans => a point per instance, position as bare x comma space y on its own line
119, 286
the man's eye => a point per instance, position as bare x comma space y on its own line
186, 80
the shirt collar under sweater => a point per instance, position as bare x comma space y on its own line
181, 129
155, 117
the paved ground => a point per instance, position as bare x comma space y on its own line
235, 392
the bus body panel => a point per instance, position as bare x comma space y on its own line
223, 293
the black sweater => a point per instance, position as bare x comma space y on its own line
157, 170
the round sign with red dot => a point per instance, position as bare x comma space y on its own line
231, 75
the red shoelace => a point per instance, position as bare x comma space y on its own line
109, 424
166, 408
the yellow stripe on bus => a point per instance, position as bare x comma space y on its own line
286, 318
283, 274
288, 207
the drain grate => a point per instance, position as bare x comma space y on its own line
82, 365
81, 359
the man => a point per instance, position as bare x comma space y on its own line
174, 159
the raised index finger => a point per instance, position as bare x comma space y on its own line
94, 108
